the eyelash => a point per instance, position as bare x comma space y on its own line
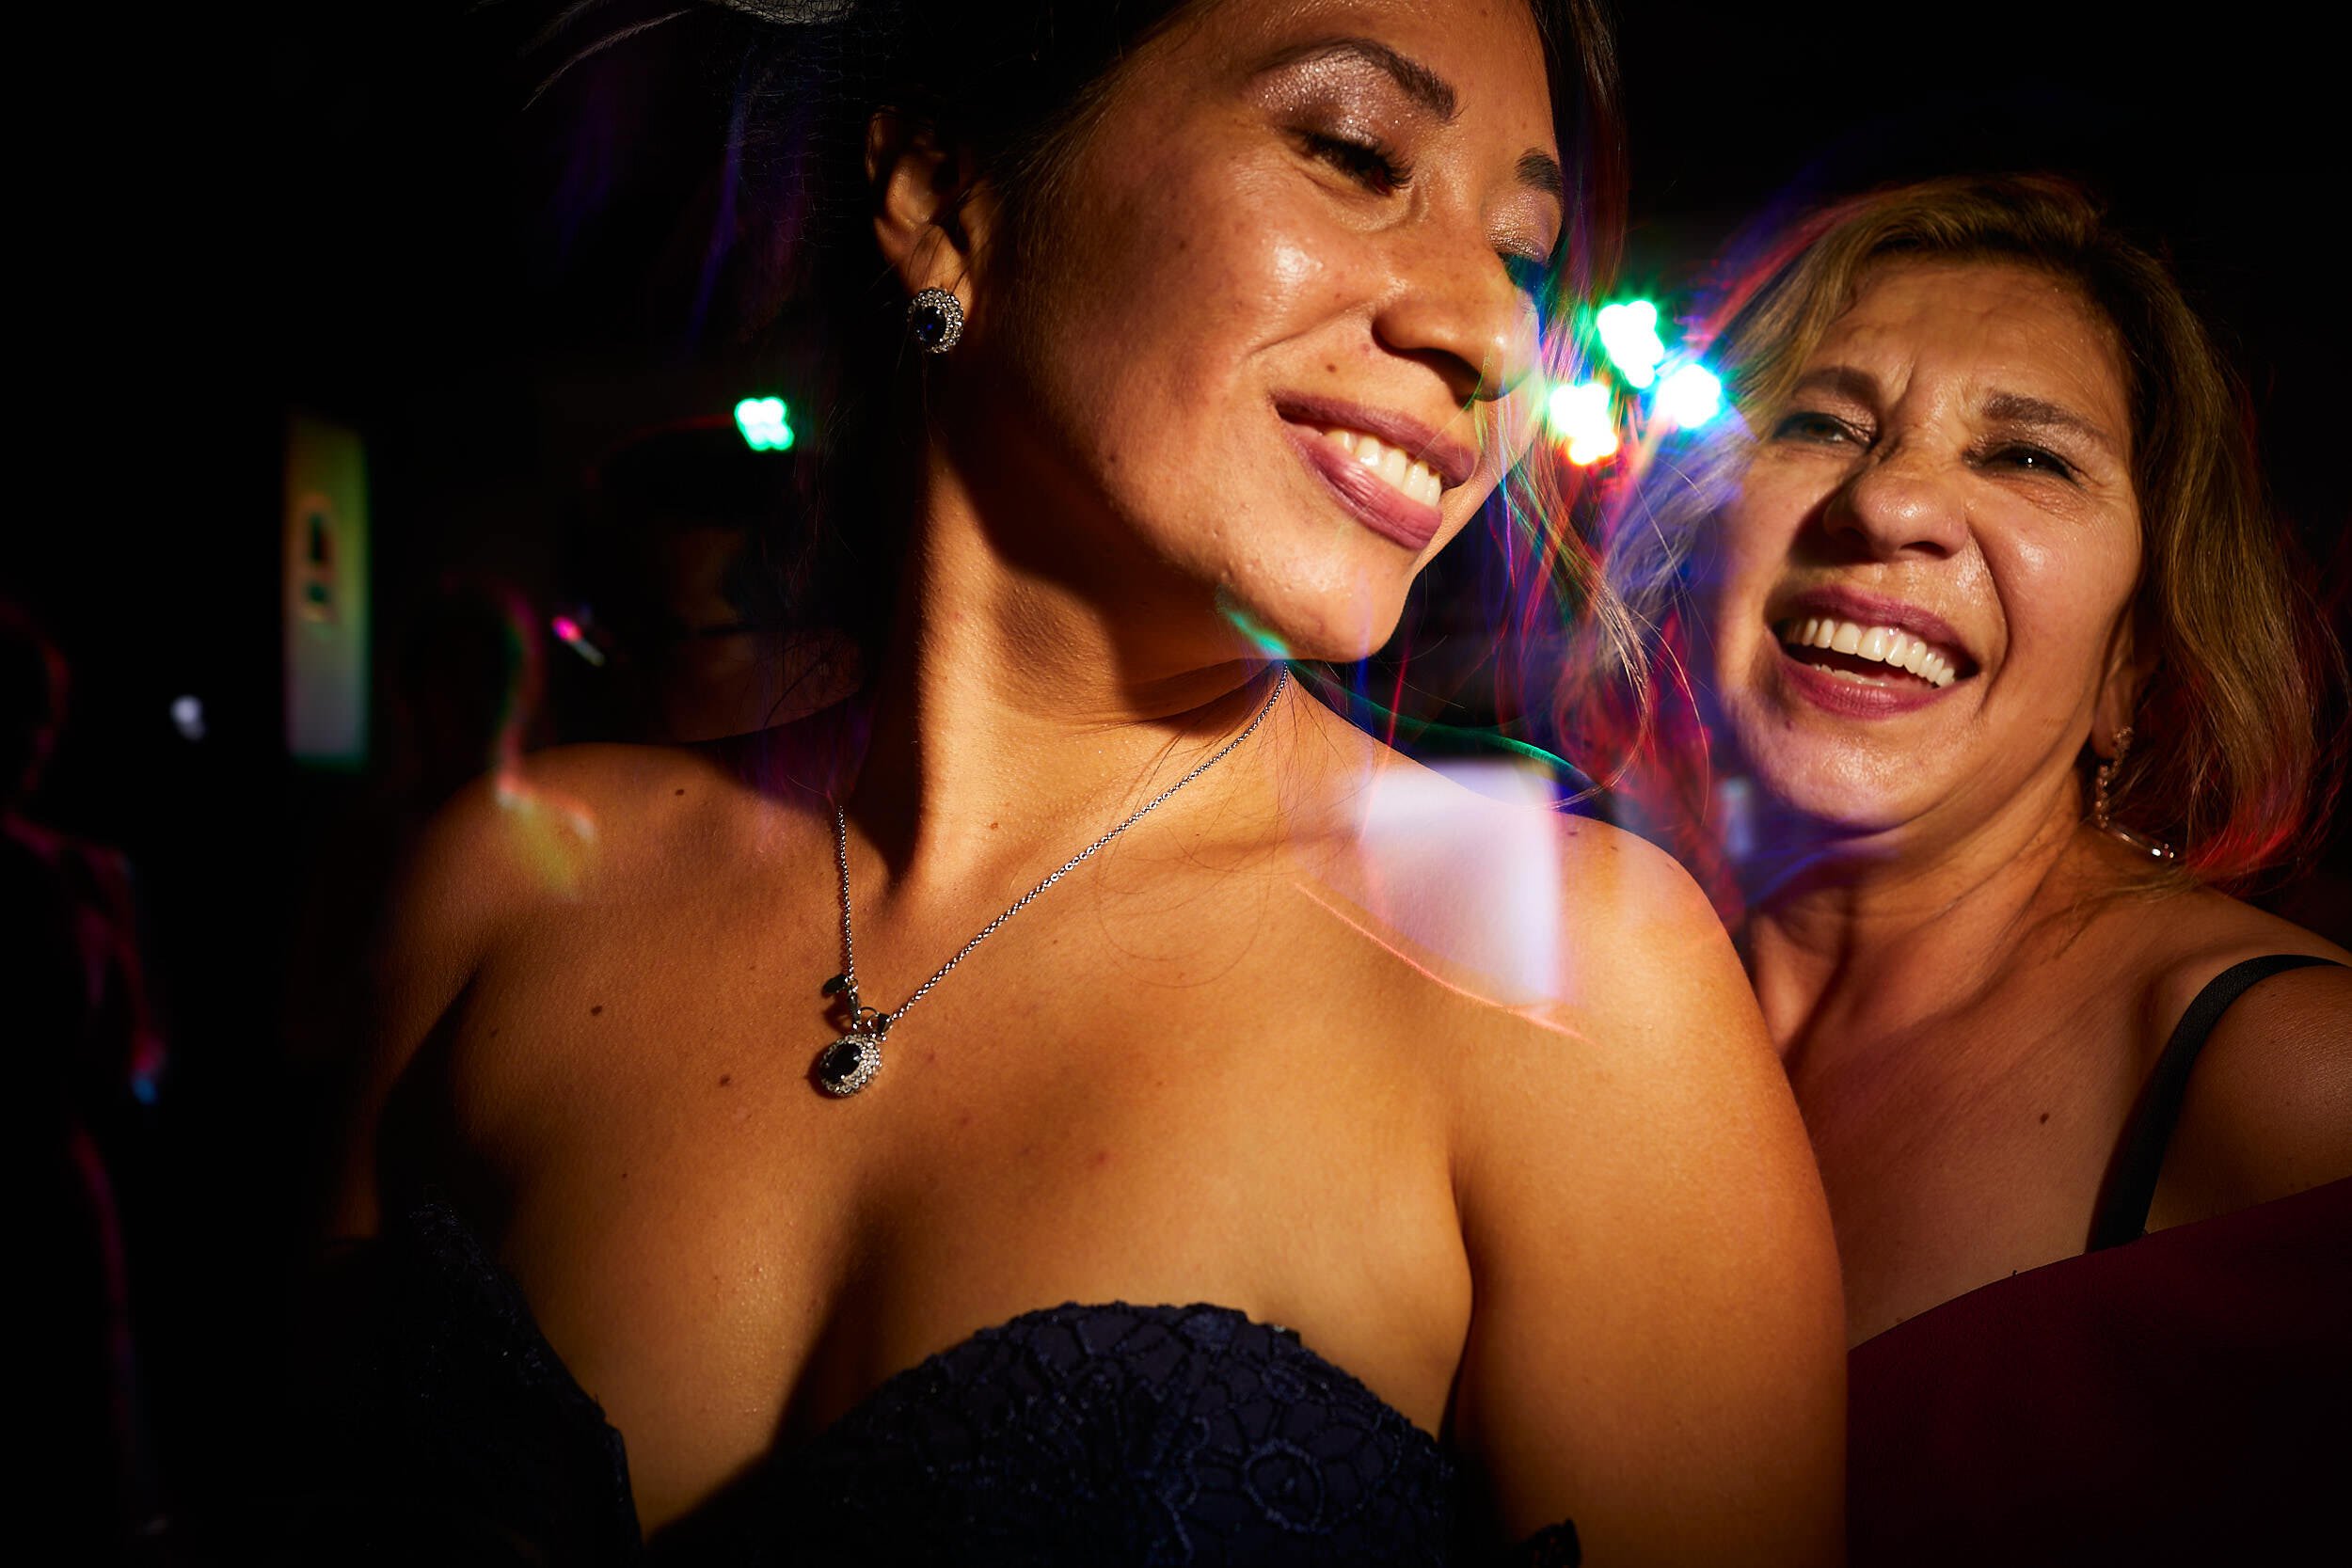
2032, 459
1805, 425
2038, 459
1370, 164
1374, 167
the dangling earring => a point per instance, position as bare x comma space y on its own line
935, 321
2102, 812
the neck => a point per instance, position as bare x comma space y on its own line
1018, 712
1873, 935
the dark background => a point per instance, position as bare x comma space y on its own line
347, 210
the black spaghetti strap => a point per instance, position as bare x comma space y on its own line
2131, 1184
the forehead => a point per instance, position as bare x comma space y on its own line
1993, 326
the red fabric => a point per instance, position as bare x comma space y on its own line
2184, 1397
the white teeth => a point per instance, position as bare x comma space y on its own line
1881, 644
1395, 469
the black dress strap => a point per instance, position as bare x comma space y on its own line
2131, 1184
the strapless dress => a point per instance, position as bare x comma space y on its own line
1075, 1435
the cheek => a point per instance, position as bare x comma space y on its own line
2060, 606
1151, 329
1737, 559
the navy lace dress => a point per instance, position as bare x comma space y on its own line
1096, 1435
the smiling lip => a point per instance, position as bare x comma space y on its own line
1853, 699
1452, 461
1872, 609
1374, 502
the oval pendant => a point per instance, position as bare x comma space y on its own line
848, 1065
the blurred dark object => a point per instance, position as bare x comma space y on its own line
2183, 1399
85, 1059
682, 573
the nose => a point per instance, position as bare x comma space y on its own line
1901, 502
1453, 306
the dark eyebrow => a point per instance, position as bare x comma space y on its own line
1538, 169
1541, 171
2016, 408
1421, 85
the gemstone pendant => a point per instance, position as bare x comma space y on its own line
848, 1065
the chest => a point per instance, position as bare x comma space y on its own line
1101, 1104
1968, 1147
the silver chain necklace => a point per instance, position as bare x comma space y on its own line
849, 1062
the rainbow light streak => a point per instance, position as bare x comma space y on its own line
1260, 638
1628, 331
1538, 1013
568, 631
553, 833
1690, 397
763, 423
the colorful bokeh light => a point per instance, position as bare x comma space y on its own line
1690, 397
763, 423
1629, 332
1582, 416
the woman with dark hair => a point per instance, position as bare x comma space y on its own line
1996, 628
1173, 340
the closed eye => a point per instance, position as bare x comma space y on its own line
1367, 163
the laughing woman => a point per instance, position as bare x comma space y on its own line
2000, 633
1154, 984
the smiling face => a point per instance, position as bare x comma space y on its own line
1917, 595
1260, 359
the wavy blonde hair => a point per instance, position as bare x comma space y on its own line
2228, 762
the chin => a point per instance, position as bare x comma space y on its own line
1332, 627
1844, 794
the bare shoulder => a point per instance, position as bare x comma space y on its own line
561, 828
2268, 1110
561, 831
1655, 1294
1534, 904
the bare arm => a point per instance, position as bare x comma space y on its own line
1657, 1341
469, 873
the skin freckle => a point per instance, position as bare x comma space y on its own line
2045, 1116
597, 1010
726, 1078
